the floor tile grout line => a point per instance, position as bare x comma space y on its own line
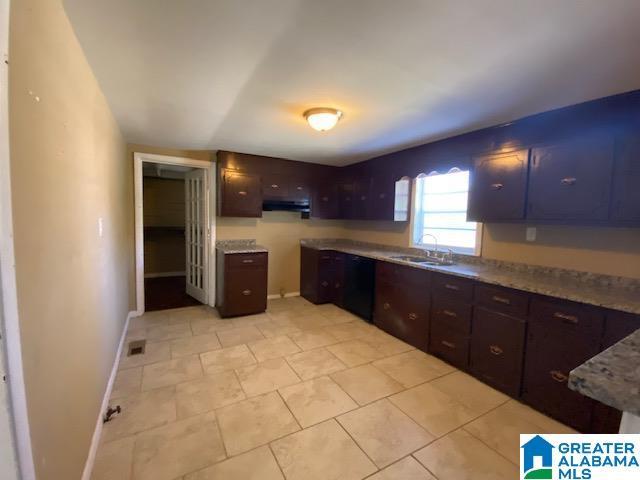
335, 419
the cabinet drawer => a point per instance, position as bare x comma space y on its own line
504, 300
497, 345
568, 319
401, 274
235, 260
450, 345
452, 314
457, 287
245, 294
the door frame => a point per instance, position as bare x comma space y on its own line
14, 404
210, 168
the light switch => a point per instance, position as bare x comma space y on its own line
532, 232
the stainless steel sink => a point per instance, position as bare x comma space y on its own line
422, 260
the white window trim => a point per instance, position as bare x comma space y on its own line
477, 251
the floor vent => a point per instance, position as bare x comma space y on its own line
136, 347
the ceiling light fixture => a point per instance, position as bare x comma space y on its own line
322, 119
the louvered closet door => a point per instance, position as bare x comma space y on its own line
196, 234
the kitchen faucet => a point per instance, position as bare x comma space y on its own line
448, 257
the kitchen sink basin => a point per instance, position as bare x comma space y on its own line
421, 260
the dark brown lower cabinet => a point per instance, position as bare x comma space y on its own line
497, 349
241, 283
401, 306
449, 344
322, 276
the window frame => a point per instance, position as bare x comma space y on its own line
416, 223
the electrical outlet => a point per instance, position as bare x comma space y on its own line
532, 233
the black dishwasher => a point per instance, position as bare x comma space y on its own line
359, 285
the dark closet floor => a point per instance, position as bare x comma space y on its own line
166, 292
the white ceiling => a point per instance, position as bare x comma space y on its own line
237, 74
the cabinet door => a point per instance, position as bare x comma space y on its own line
449, 344
498, 187
549, 359
347, 200
299, 190
571, 181
275, 187
325, 202
241, 194
497, 346
387, 309
625, 205
362, 207
414, 317
338, 278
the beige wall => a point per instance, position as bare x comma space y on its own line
68, 162
280, 233
611, 251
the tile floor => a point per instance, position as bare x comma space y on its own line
301, 392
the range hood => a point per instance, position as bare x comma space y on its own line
286, 206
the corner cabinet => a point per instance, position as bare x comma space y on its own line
571, 181
240, 194
498, 187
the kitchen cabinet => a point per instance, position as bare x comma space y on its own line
402, 303
550, 357
498, 187
299, 190
618, 325
316, 275
275, 187
325, 201
451, 310
571, 181
240, 194
625, 202
497, 348
241, 287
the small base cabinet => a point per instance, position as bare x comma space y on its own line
241, 283
402, 303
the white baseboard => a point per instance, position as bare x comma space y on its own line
286, 295
164, 274
95, 440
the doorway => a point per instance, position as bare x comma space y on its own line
174, 234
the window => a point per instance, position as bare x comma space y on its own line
441, 211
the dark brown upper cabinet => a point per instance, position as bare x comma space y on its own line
571, 181
275, 187
240, 194
325, 202
625, 202
498, 187
299, 190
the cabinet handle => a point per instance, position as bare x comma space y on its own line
448, 344
451, 287
497, 186
337, 284
298, 188
326, 258
348, 199
449, 313
247, 261
569, 181
325, 284
383, 195
273, 185
386, 306
558, 376
495, 350
325, 199
499, 299
412, 316
363, 197
246, 292
566, 318
242, 192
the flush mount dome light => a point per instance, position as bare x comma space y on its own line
322, 119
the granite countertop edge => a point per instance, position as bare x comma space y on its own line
229, 247
575, 291
613, 376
